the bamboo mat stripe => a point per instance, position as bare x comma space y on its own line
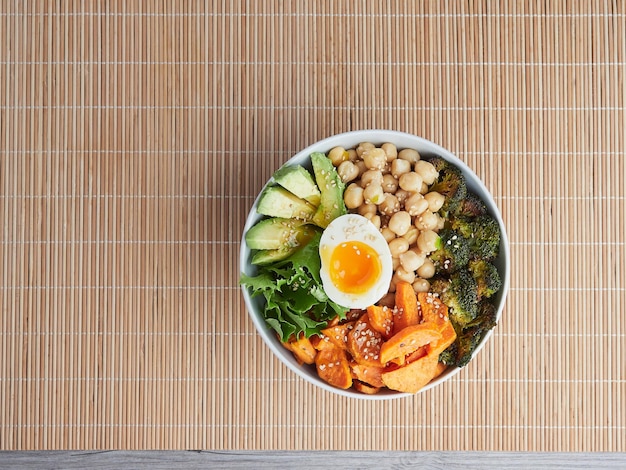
135, 136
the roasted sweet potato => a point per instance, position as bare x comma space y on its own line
338, 334
368, 374
381, 319
333, 367
364, 342
408, 340
365, 388
441, 368
436, 312
302, 349
406, 312
412, 377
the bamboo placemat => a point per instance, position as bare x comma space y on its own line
134, 136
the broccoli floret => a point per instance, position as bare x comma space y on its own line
487, 278
482, 233
471, 206
459, 293
449, 356
451, 184
462, 224
460, 352
452, 253
485, 241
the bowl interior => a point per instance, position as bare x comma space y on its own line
348, 140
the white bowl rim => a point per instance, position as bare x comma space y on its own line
350, 139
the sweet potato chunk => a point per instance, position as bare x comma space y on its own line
338, 334
333, 367
365, 388
408, 340
436, 312
381, 319
441, 368
364, 342
412, 377
369, 374
303, 350
407, 311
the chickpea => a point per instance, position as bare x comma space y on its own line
426, 270
424, 188
391, 151
402, 196
374, 194
411, 261
435, 200
415, 204
362, 147
360, 164
397, 246
400, 223
410, 181
427, 241
395, 263
400, 167
367, 208
353, 196
440, 223
388, 234
409, 155
375, 158
338, 155
427, 220
421, 285
352, 155
390, 205
427, 171
348, 171
411, 235
402, 274
372, 176
390, 183
375, 219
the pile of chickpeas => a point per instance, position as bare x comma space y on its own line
390, 188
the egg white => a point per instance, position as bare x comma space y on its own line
354, 227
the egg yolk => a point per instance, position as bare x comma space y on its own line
354, 267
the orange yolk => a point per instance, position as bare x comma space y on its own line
354, 267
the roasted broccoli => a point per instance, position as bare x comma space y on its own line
482, 233
459, 293
487, 278
471, 206
452, 253
450, 183
460, 352
485, 241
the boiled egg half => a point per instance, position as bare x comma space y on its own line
356, 266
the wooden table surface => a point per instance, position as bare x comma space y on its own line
134, 138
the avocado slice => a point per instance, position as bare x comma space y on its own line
297, 180
299, 237
273, 233
276, 201
331, 188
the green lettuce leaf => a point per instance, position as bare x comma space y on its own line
295, 301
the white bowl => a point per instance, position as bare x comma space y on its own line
350, 140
